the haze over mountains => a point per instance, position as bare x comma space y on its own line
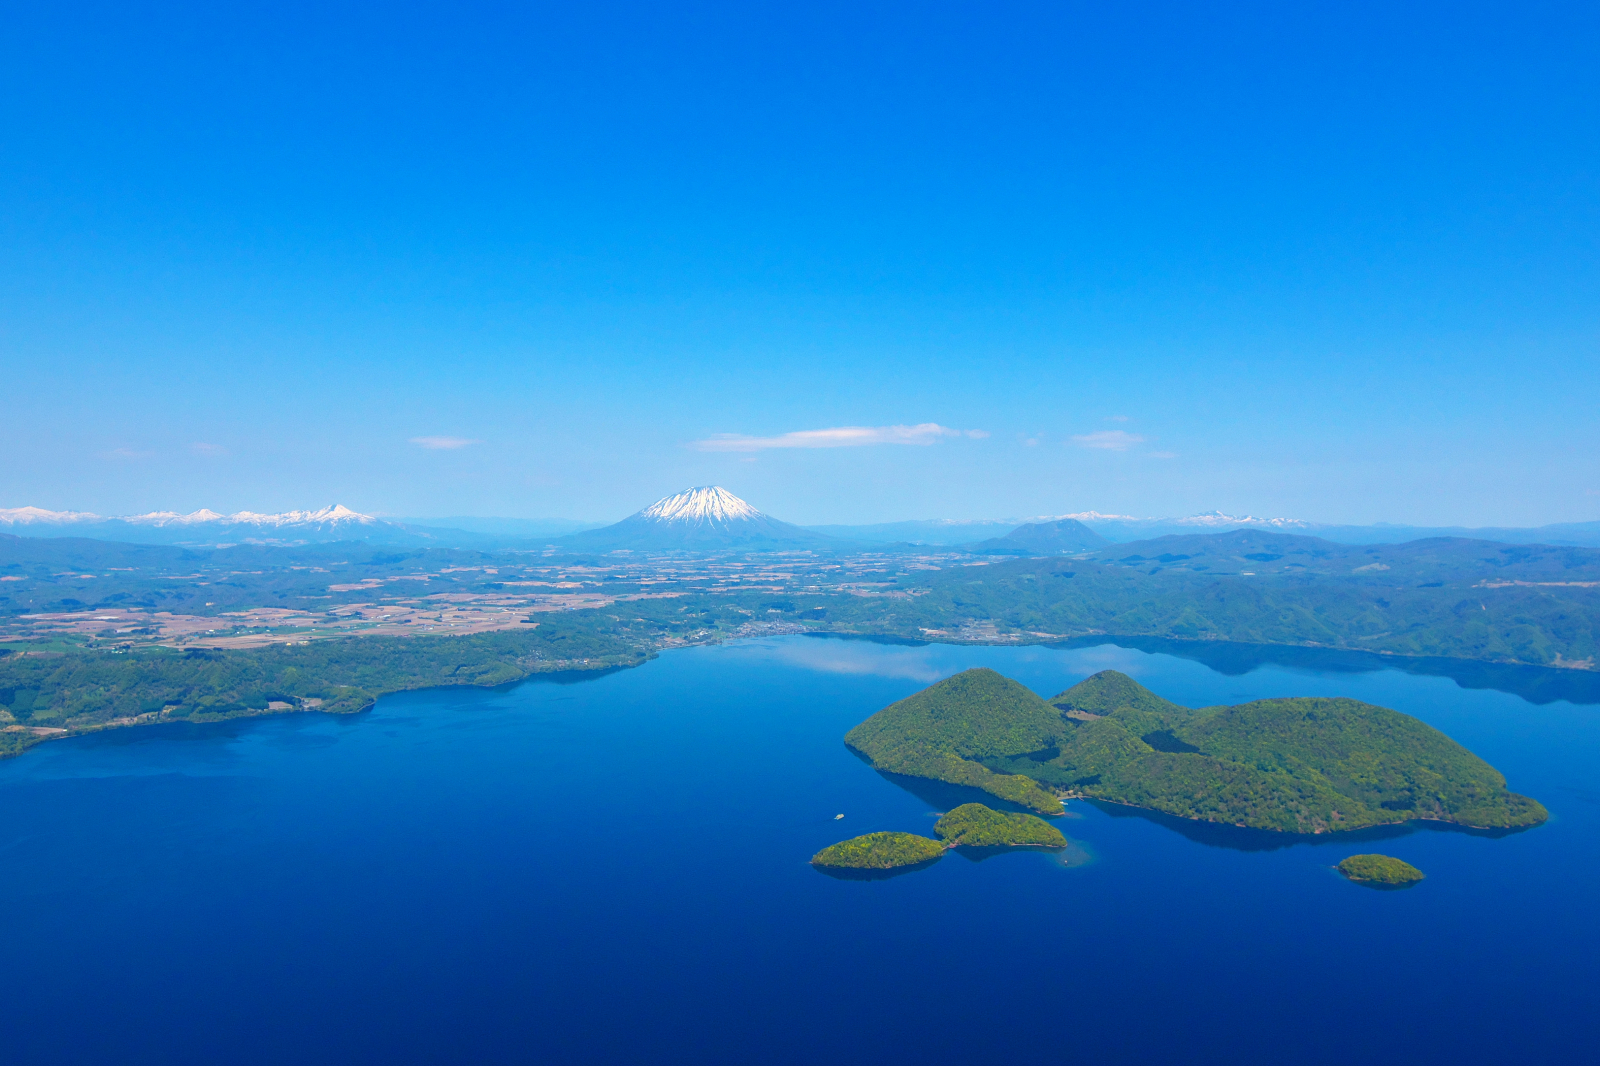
202, 527
1120, 529
711, 518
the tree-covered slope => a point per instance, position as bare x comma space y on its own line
1386, 760
879, 851
1400, 607
44, 695
1293, 765
1382, 870
1110, 691
974, 825
948, 730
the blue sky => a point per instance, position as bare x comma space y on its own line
1337, 262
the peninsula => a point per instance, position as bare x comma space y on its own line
1302, 765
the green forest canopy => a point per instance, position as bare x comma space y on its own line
1305, 765
1380, 870
974, 825
879, 851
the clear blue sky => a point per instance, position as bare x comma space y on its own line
1335, 261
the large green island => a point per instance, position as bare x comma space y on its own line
1303, 765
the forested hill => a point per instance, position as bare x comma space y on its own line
1453, 599
1454, 560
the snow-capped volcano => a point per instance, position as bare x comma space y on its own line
708, 503
699, 519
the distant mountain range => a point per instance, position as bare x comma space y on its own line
203, 527
524, 528
711, 518
1112, 527
1120, 529
209, 529
1066, 536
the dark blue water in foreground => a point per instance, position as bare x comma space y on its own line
615, 871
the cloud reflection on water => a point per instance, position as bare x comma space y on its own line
850, 657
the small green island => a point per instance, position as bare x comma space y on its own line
969, 825
1380, 871
1301, 765
974, 825
879, 851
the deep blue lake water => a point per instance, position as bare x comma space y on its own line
614, 871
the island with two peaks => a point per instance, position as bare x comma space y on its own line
1301, 765
969, 825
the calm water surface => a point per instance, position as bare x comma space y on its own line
615, 871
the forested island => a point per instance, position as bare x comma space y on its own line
969, 825
1308, 765
1380, 871
879, 851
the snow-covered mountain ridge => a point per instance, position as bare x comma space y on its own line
1207, 520
335, 515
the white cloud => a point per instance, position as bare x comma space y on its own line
443, 443
1111, 440
202, 448
838, 437
977, 434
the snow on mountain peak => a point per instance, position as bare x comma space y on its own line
707, 503
336, 515
1087, 516
27, 516
1217, 518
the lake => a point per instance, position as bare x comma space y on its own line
614, 869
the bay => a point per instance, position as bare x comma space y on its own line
613, 869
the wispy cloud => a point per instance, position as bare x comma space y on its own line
838, 437
445, 444
1110, 440
202, 448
